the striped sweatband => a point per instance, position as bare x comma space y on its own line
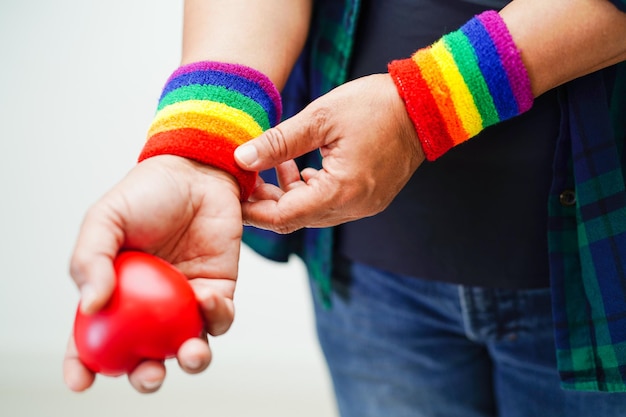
207, 109
469, 79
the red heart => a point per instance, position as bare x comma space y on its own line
152, 311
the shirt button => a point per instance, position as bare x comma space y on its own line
567, 198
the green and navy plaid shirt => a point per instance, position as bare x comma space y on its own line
587, 205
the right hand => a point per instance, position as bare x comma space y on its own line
188, 214
369, 150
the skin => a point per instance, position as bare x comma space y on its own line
185, 228
167, 206
364, 168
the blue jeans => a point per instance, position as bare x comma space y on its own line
400, 346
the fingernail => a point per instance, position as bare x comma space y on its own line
151, 385
246, 154
87, 297
193, 364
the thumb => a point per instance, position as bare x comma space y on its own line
91, 264
288, 140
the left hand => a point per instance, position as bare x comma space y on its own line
369, 148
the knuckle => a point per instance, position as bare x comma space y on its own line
319, 121
276, 141
284, 226
285, 229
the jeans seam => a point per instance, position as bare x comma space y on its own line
467, 305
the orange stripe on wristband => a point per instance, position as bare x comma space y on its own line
461, 97
440, 93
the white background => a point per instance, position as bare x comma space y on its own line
79, 81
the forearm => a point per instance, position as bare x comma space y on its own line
561, 40
493, 67
266, 35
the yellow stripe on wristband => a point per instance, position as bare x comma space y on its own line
462, 98
200, 113
440, 91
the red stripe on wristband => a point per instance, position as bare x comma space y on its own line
202, 147
431, 128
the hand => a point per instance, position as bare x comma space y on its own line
184, 212
369, 149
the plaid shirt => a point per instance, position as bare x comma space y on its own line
587, 205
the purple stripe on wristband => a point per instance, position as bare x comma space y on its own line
510, 57
243, 71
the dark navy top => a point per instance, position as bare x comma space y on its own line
478, 214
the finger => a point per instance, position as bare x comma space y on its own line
194, 356
148, 376
308, 174
305, 206
91, 265
288, 175
259, 181
266, 192
218, 311
290, 139
76, 375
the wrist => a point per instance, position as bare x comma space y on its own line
469, 79
191, 172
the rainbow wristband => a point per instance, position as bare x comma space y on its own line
207, 109
469, 79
